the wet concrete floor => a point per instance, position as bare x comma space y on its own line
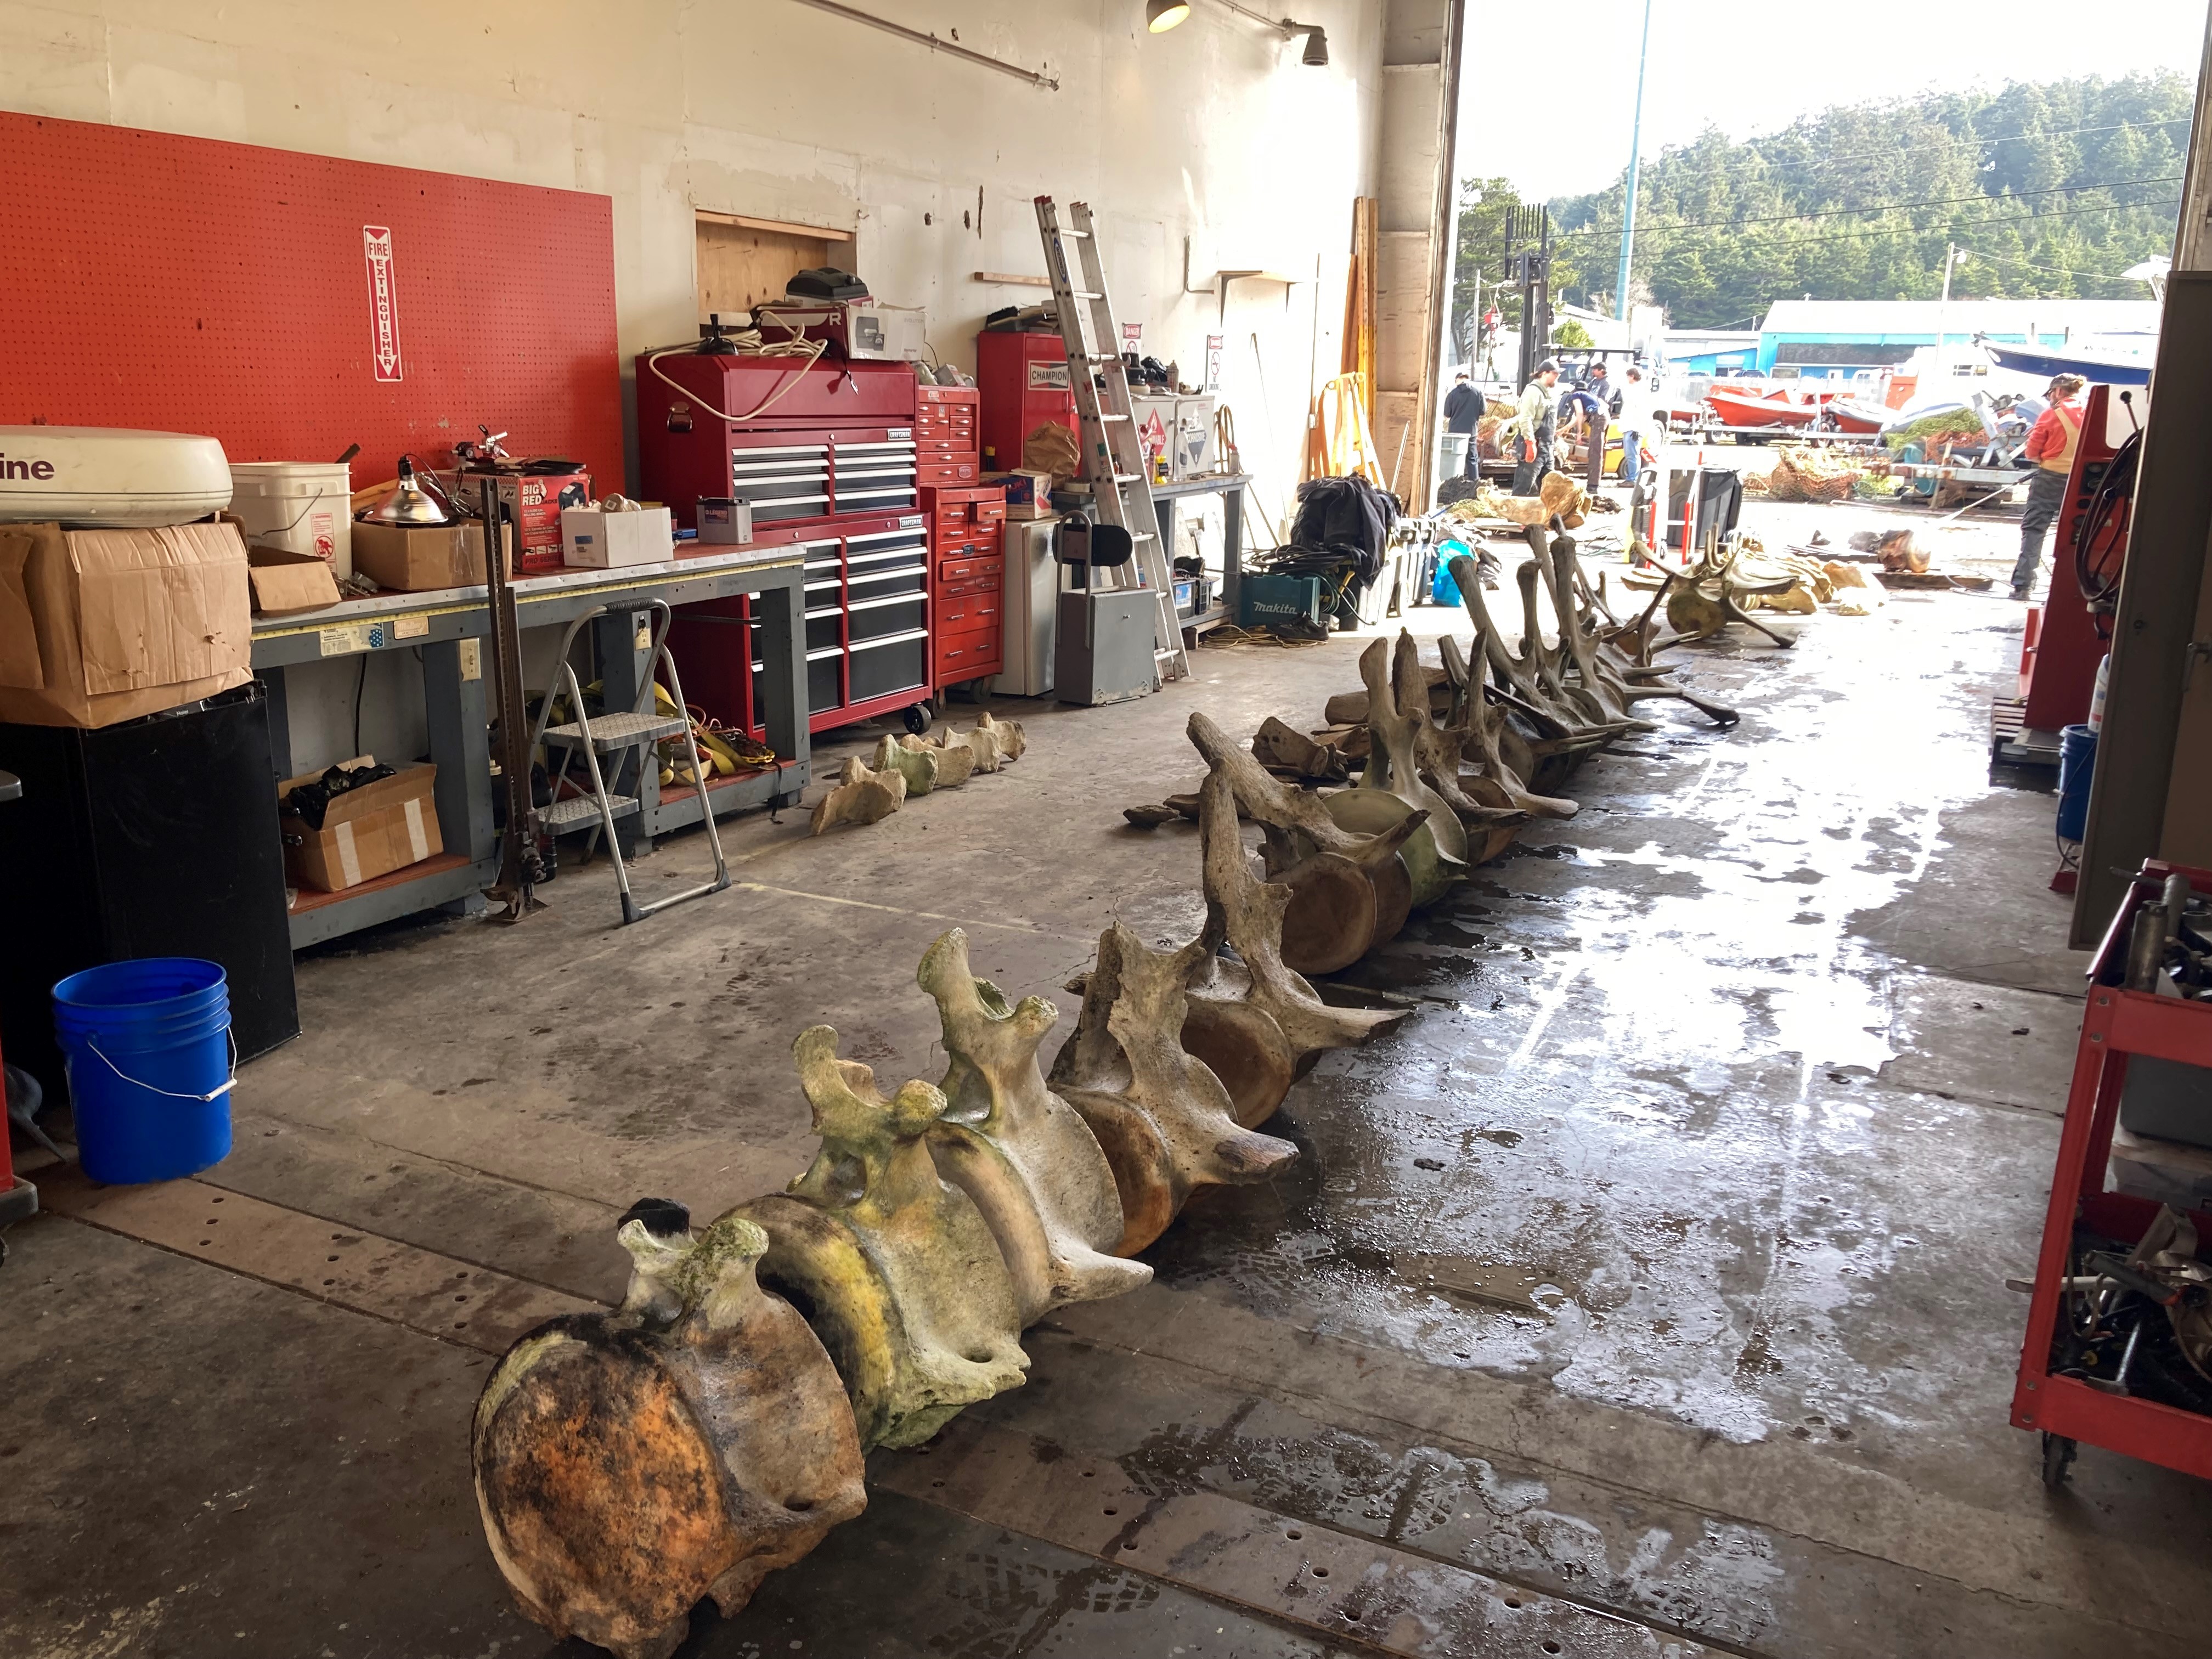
1657, 1265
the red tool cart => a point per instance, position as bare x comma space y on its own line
967, 541
2074, 1368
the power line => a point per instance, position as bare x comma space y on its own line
1955, 137
1866, 231
1879, 207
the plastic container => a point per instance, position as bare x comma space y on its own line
2077, 763
147, 1045
2097, 697
302, 506
1444, 586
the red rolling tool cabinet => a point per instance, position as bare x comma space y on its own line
827, 454
1023, 377
944, 435
967, 538
2066, 1400
2065, 638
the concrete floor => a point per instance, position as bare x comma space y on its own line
1751, 1071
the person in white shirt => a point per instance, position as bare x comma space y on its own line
1638, 415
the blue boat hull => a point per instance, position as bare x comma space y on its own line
2042, 360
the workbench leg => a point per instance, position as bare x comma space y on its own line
1232, 549
454, 708
782, 612
280, 722
623, 665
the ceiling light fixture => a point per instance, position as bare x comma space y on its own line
1161, 16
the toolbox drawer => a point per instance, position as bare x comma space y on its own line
968, 658
823, 677
898, 613
897, 662
822, 628
960, 613
971, 569
949, 470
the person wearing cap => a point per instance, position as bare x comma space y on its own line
2051, 445
1533, 426
1463, 411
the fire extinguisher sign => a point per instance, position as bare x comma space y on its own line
383, 304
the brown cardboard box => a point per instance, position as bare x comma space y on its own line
98, 626
285, 582
407, 561
366, 832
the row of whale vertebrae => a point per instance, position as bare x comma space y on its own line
713, 1428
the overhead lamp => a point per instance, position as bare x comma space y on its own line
1317, 52
1161, 16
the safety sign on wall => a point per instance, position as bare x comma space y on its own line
383, 303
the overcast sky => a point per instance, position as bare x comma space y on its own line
1551, 88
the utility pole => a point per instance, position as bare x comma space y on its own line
1943, 306
1635, 148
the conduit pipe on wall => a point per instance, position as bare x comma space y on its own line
934, 42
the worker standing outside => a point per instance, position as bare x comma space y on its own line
1637, 417
1534, 427
1464, 407
2050, 446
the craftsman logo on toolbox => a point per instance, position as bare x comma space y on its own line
383, 302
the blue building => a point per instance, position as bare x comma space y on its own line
1824, 339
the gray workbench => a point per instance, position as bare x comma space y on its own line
449, 627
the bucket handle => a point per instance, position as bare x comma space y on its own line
313, 502
230, 1041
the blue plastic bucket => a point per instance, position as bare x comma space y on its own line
2077, 762
147, 1045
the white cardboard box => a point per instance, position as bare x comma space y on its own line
605, 541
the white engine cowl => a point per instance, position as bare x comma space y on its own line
101, 477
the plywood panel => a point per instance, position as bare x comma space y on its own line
742, 266
191, 285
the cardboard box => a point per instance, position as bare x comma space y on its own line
597, 540
408, 561
98, 626
531, 504
283, 582
366, 832
1029, 494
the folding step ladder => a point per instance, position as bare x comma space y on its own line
631, 735
1119, 481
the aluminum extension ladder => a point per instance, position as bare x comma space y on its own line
636, 732
1120, 484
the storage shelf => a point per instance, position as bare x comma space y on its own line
434, 881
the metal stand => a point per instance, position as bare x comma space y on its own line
519, 866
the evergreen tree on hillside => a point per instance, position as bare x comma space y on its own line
2052, 188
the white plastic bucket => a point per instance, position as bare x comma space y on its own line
302, 506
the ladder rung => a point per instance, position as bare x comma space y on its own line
1113, 417
1084, 293
1079, 235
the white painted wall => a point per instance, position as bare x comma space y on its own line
1213, 132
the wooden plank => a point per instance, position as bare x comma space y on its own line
782, 226
1342, 1584
454, 1301
1007, 280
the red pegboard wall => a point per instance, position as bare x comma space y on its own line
189, 285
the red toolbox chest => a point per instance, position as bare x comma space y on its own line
967, 540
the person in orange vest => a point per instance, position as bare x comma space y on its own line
2050, 447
